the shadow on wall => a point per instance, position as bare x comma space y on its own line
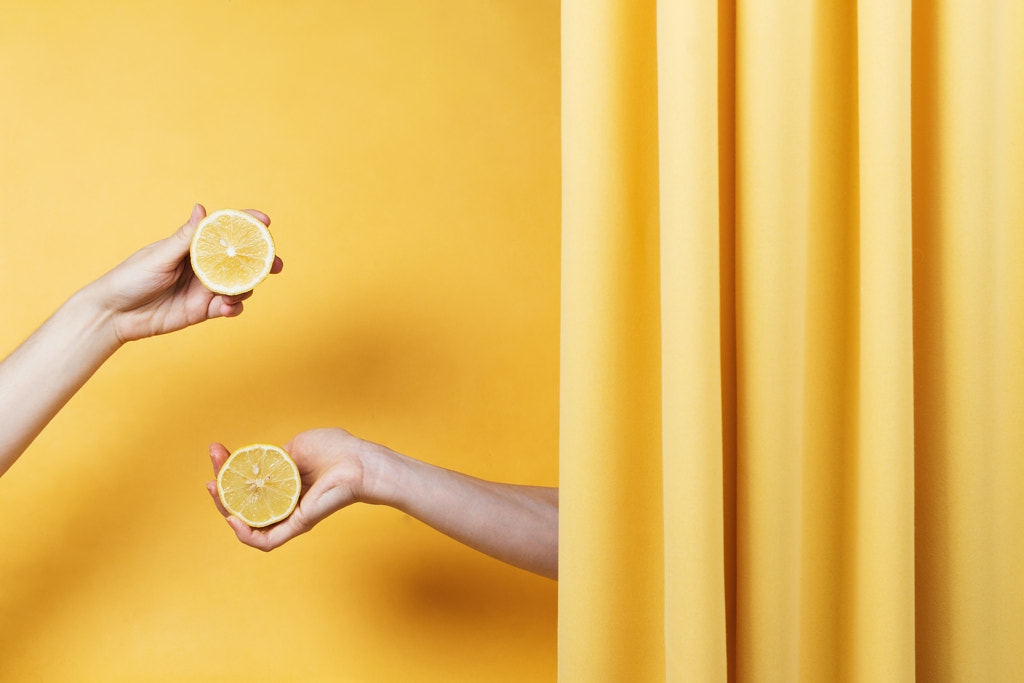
482, 603
340, 371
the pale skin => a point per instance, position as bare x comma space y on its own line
152, 292
513, 523
155, 292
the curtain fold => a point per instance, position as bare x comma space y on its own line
792, 320
610, 347
692, 395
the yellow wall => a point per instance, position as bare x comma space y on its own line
407, 153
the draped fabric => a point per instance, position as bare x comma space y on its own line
792, 366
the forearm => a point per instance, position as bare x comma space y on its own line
42, 374
513, 523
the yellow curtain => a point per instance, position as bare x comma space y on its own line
792, 389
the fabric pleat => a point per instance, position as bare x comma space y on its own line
792, 373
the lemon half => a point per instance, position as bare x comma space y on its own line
259, 484
231, 252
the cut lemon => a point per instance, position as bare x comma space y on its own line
231, 252
259, 484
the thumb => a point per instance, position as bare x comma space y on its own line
186, 231
181, 240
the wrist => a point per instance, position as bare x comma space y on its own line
93, 321
383, 471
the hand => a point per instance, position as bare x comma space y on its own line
513, 523
332, 465
155, 292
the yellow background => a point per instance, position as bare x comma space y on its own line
408, 155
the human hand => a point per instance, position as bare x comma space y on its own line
155, 292
333, 467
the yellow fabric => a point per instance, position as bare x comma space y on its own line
792, 314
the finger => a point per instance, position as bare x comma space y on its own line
273, 536
218, 456
219, 307
237, 297
277, 535
231, 310
174, 248
277, 267
256, 538
243, 532
185, 232
260, 216
224, 306
211, 488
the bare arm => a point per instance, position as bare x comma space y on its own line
513, 523
152, 292
39, 377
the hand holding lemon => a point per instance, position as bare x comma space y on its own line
513, 523
157, 289
330, 464
154, 291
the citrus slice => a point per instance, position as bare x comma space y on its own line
259, 484
231, 252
